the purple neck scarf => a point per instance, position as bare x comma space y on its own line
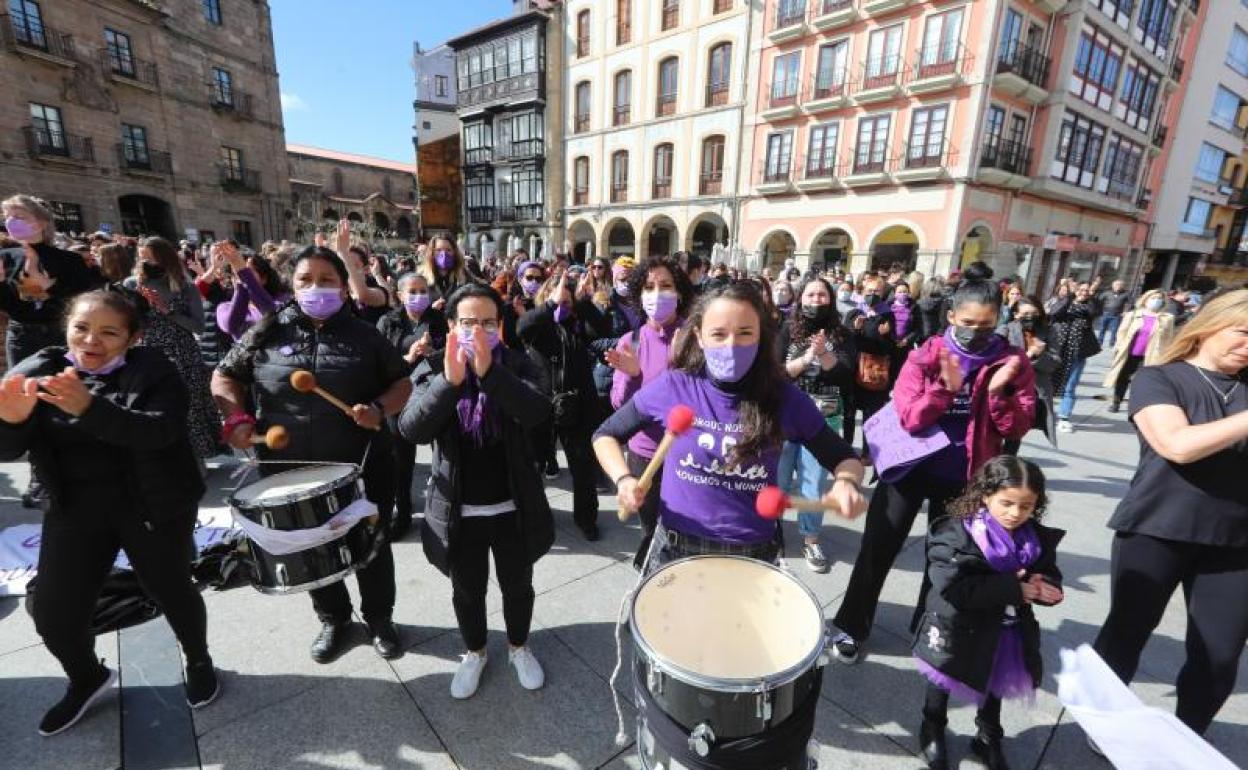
478, 419
972, 361
1007, 552
901, 317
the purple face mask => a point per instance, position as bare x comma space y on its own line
416, 303
20, 229
443, 259
659, 305
729, 363
107, 368
530, 286
319, 303
466, 342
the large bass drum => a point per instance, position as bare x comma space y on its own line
726, 648
301, 499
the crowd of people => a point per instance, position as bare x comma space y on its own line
130, 362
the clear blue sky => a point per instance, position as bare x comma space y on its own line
345, 68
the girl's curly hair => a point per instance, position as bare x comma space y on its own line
1001, 472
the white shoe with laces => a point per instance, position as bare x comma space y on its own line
467, 676
528, 670
1064, 426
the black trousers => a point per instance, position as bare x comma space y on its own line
76, 554
332, 603
868, 402
1144, 572
649, 511
404, 454
477, 537
1132, 365
578, 448
889, 518
987, 718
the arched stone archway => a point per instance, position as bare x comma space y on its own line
704, 232
832, 247
659, 235
583, 239
894, 244
146, 215
777, 247
381, 221
403, 228
977, 244
354, 216
621, 239
331, 214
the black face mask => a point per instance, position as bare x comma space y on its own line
817, 315
1029, 324
972, 340
870, 299
152, 270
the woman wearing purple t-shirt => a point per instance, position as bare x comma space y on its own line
727, 371
662, 294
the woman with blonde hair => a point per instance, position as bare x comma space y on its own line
443, 267
1184, 519
1143, 334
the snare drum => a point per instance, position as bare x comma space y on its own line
725, 647
300, 499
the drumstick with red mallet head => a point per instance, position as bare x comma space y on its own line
772, 502
305, 382
275, 438
679, 420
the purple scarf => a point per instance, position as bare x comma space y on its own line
478, 419
972, 361
901, 318
1006, 552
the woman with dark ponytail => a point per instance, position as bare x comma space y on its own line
958, 397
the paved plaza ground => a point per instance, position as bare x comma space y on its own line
279, 709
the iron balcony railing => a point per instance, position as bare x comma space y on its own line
48, 143
1009, 156
138, 158
239, 179
711, 183
129, 67
22, 31
1026, 62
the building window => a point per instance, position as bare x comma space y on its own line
671, 14
479, 194
67, 217
1155, 25
723, 6
993, 127
1098, 61
619, 176
941, 41
1139, 95
831, 69
1209, 163
1226, 107
622, 108
232, 164
222, 87
870, 154
528, 48
719, 75
120, 54
786, 72
582, 34
212, 11
1237, 56
528, 191
883, 57
927, 136
478, 143
580, 181
779, 157
1123, 160
240, 231
821, 150
49, 129
663, 158
1196, 218
711, 180
623, 22
583, 106
134, 146
528, 134
1119, 11
669, 76
440, 82
27, 21
1078, 151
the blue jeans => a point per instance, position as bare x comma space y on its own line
812, 482
1067, 406
1107, 326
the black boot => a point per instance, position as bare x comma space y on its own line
386, 639
1114, 406
932, 744
988, 749
330, 641
34, 495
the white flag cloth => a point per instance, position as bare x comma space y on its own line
280, 542
1132, 735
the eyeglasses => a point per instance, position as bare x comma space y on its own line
597, 267
531, 277
490, 324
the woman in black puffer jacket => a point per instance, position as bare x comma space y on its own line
1076, 343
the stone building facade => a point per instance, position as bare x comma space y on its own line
144, 117
377, 194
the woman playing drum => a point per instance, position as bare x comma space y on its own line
353, 361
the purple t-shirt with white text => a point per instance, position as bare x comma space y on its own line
701, 496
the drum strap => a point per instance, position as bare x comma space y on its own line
776, 747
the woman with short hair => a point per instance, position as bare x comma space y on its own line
1144, 332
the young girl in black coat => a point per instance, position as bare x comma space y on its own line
989, 561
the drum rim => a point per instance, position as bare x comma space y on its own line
311, 585
307, 494
726, 684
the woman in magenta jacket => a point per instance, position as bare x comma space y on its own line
967, 388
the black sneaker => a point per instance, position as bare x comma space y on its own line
845, 648
815, 558
34, 495
77, 700
552, 470
590, 531
202, 685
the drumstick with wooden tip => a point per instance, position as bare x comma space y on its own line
772, 503
275, 438
679, 419
305, 382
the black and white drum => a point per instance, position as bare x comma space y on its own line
726, 648
301, 499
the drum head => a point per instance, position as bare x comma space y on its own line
728, 618
293, 485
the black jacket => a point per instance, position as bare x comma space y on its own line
564, 348
965, 606
131, 447
349, 358
517, 387
72, 277
402, 332
930, 317
619, 323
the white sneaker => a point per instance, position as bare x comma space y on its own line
1064, 426
467, 676
528, 669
